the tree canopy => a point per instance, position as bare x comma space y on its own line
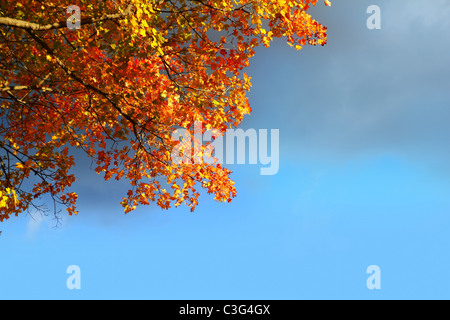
117, 87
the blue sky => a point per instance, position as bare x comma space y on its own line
363, 180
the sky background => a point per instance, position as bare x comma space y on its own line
364, 180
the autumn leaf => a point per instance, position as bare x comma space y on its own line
116, 89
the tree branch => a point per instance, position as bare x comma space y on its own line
10, 22
22, 88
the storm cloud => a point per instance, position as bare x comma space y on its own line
367, 91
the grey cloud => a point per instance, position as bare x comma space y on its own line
367, 91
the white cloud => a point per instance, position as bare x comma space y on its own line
34, 224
